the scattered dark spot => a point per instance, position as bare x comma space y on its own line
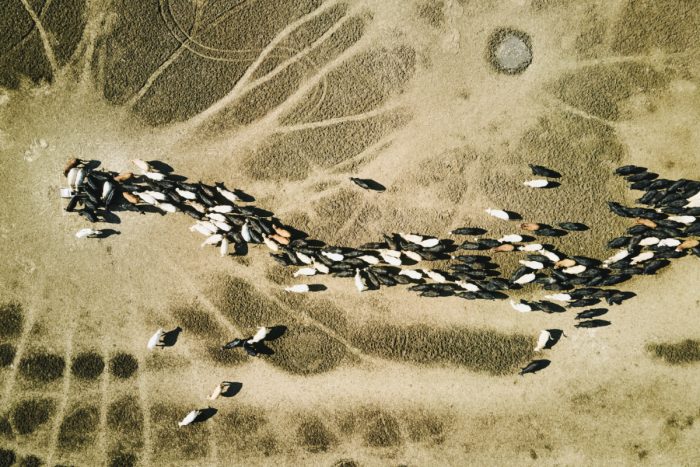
42, 367
29, 414
120, 459
196, 320
243, 304
7, 457
431, 11
307, 350
79, 429
533, 454
426, 427
123, 365
30, 461
346, 463
7, 354
678, 353
314, 436
6, 427
88, 365
225, 357
267, 444
381, 430
10, 320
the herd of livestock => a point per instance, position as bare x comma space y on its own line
664, 225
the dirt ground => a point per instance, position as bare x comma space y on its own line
286, 101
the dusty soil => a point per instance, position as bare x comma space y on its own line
286, 102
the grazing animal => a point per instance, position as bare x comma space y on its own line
156, 340
592, 323
578, 269
521, 307
512, 238
297, 288
88, 233
227, 194
189, 418
412, 273
542, 340
647, 255
539, 183
525, 279
534, 367
532, 264
429, 242
141, 164
260, 335
542, 171
592, 313
157, 176
212, 240
530, 226
531, 247
498, 213
367, 184
223, 249
359, 281
305, 272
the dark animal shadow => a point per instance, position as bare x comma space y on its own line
169, 338
593, 312
580, 227
369, 184
555, 336
514, 216
549, 307
551, 185
262, 349
243, 196
276, 332
528, 238
107, 233
317, 287
535, 366
232, 389
593, 323
553, 232
161, 167
241, 249
109, 217
205, 414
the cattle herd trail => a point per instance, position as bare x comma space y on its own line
349, 232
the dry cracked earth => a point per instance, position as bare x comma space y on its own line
286, 100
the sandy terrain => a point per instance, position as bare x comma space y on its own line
286, 101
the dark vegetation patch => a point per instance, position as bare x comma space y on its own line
322, 310
591, 41
306, 350
432, 12
243, 304
280, 274
677, 353
346, 463
7, 457
79, 429
125, 418
120, 459
172, 442
30, 461
247, 26
6, 427
11, 317
123, 365
314, 435
7, 354
88, 365
65, 20
669, 25
196, 320
291, 156
42, 367
425, 427
487, 351
333, 212
21, 52
362, 83
225, 357
29, 414
242, 429
381, 429
600, 89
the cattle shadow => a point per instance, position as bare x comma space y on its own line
205, 414
535, 366
368, 184
555, 336
169, 338
232, 389
105, 233
317, 287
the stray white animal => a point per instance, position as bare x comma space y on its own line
305, 272
434, 275
223, 249
359, 281
620, 255
260, 334
412, 273
647, 255
167, 207
189, 418
497, 213
559, 297
213, 240
304, 258
322, 268
521, 307
512, 238
297, 288
87, 233
539, 183
532, 264
154, 341
141, 164
531, 247
525, 279
543, 340
573, 270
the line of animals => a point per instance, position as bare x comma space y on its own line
667, 228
